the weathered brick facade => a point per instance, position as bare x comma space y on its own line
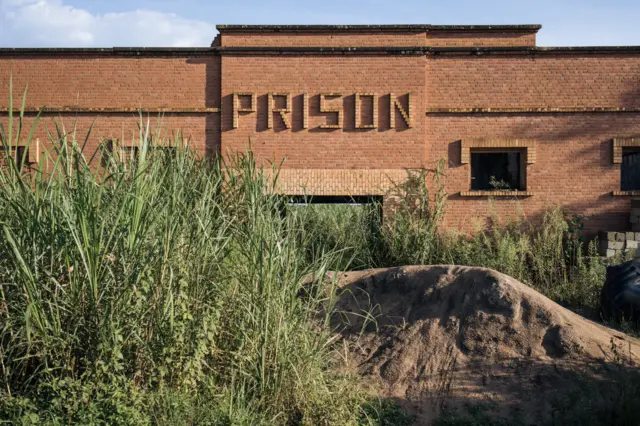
394, 98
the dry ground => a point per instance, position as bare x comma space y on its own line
458, 340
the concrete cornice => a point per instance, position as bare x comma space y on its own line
427, 50
107, 51
260, 50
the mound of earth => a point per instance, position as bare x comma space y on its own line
448, 340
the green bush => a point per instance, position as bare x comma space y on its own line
550, 256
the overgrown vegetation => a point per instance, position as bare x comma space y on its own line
162, 289
165, 288
550, 256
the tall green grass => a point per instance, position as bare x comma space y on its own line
160, 290
550, 256
166, 288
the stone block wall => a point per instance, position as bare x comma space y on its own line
615, 243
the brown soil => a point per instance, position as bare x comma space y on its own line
444, 340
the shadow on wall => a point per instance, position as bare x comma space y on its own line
212, 100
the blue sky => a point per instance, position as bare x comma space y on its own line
89, 23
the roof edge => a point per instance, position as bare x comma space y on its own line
106, 51
392, 27
204, 51
426, 50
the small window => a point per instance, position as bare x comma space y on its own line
19, 154
630, 170
154, 153
501, 171
106, 149
130, 154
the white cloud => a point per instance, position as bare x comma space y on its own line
40, 23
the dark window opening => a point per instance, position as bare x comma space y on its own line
333, 203
334, 199
106, 152
130, 154
497, 171
19, 154
630, 170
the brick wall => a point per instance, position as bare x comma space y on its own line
390, 38
573, 168
533, 81
121, 127
324, 39
572, 104
314, 147
88, 83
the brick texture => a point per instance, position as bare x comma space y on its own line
363, 141
113, 82
323, 39
315, 147
124, 127
343, 182
480, 39
532, 82
433, 38
574, 165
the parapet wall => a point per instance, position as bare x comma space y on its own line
376, 35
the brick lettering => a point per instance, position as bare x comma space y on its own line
281, 111
394, 104
237, 109
337, 110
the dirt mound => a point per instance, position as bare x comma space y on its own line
444, 340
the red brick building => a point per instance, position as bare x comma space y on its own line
351, 108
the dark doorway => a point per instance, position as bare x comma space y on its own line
630, 170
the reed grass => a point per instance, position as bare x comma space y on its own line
161, 289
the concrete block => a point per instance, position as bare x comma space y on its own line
637, 236
610, 253
630, 236
632, 244
621, 236
615, 245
